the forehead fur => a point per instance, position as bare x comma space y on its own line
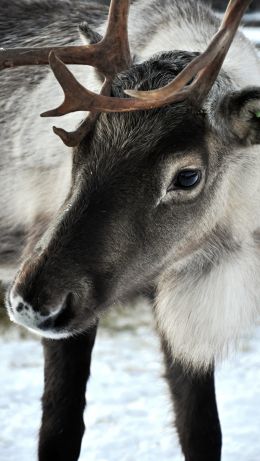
136, 133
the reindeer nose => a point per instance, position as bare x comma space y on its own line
21, 312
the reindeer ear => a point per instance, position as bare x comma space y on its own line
240, 114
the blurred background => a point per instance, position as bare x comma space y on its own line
129, 411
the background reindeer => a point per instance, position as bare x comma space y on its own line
162, 202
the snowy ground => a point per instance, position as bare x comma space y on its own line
129, 414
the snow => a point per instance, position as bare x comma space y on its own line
129, 411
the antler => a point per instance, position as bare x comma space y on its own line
206, 66
111, 55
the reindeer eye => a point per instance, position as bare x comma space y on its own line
186, 179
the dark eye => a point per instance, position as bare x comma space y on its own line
186, 179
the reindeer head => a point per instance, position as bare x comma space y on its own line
151, 174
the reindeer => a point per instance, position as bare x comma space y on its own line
159, 196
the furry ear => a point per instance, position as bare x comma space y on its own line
239, 114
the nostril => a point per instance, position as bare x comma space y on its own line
20, 307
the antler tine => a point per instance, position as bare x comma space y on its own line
17, 57
115, 44
73, 138
229, 27
113, 55
74, 92
109, 56
78, 98
207, 65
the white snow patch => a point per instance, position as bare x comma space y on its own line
129, 411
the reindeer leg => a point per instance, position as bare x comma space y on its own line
194, 401
67, 369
